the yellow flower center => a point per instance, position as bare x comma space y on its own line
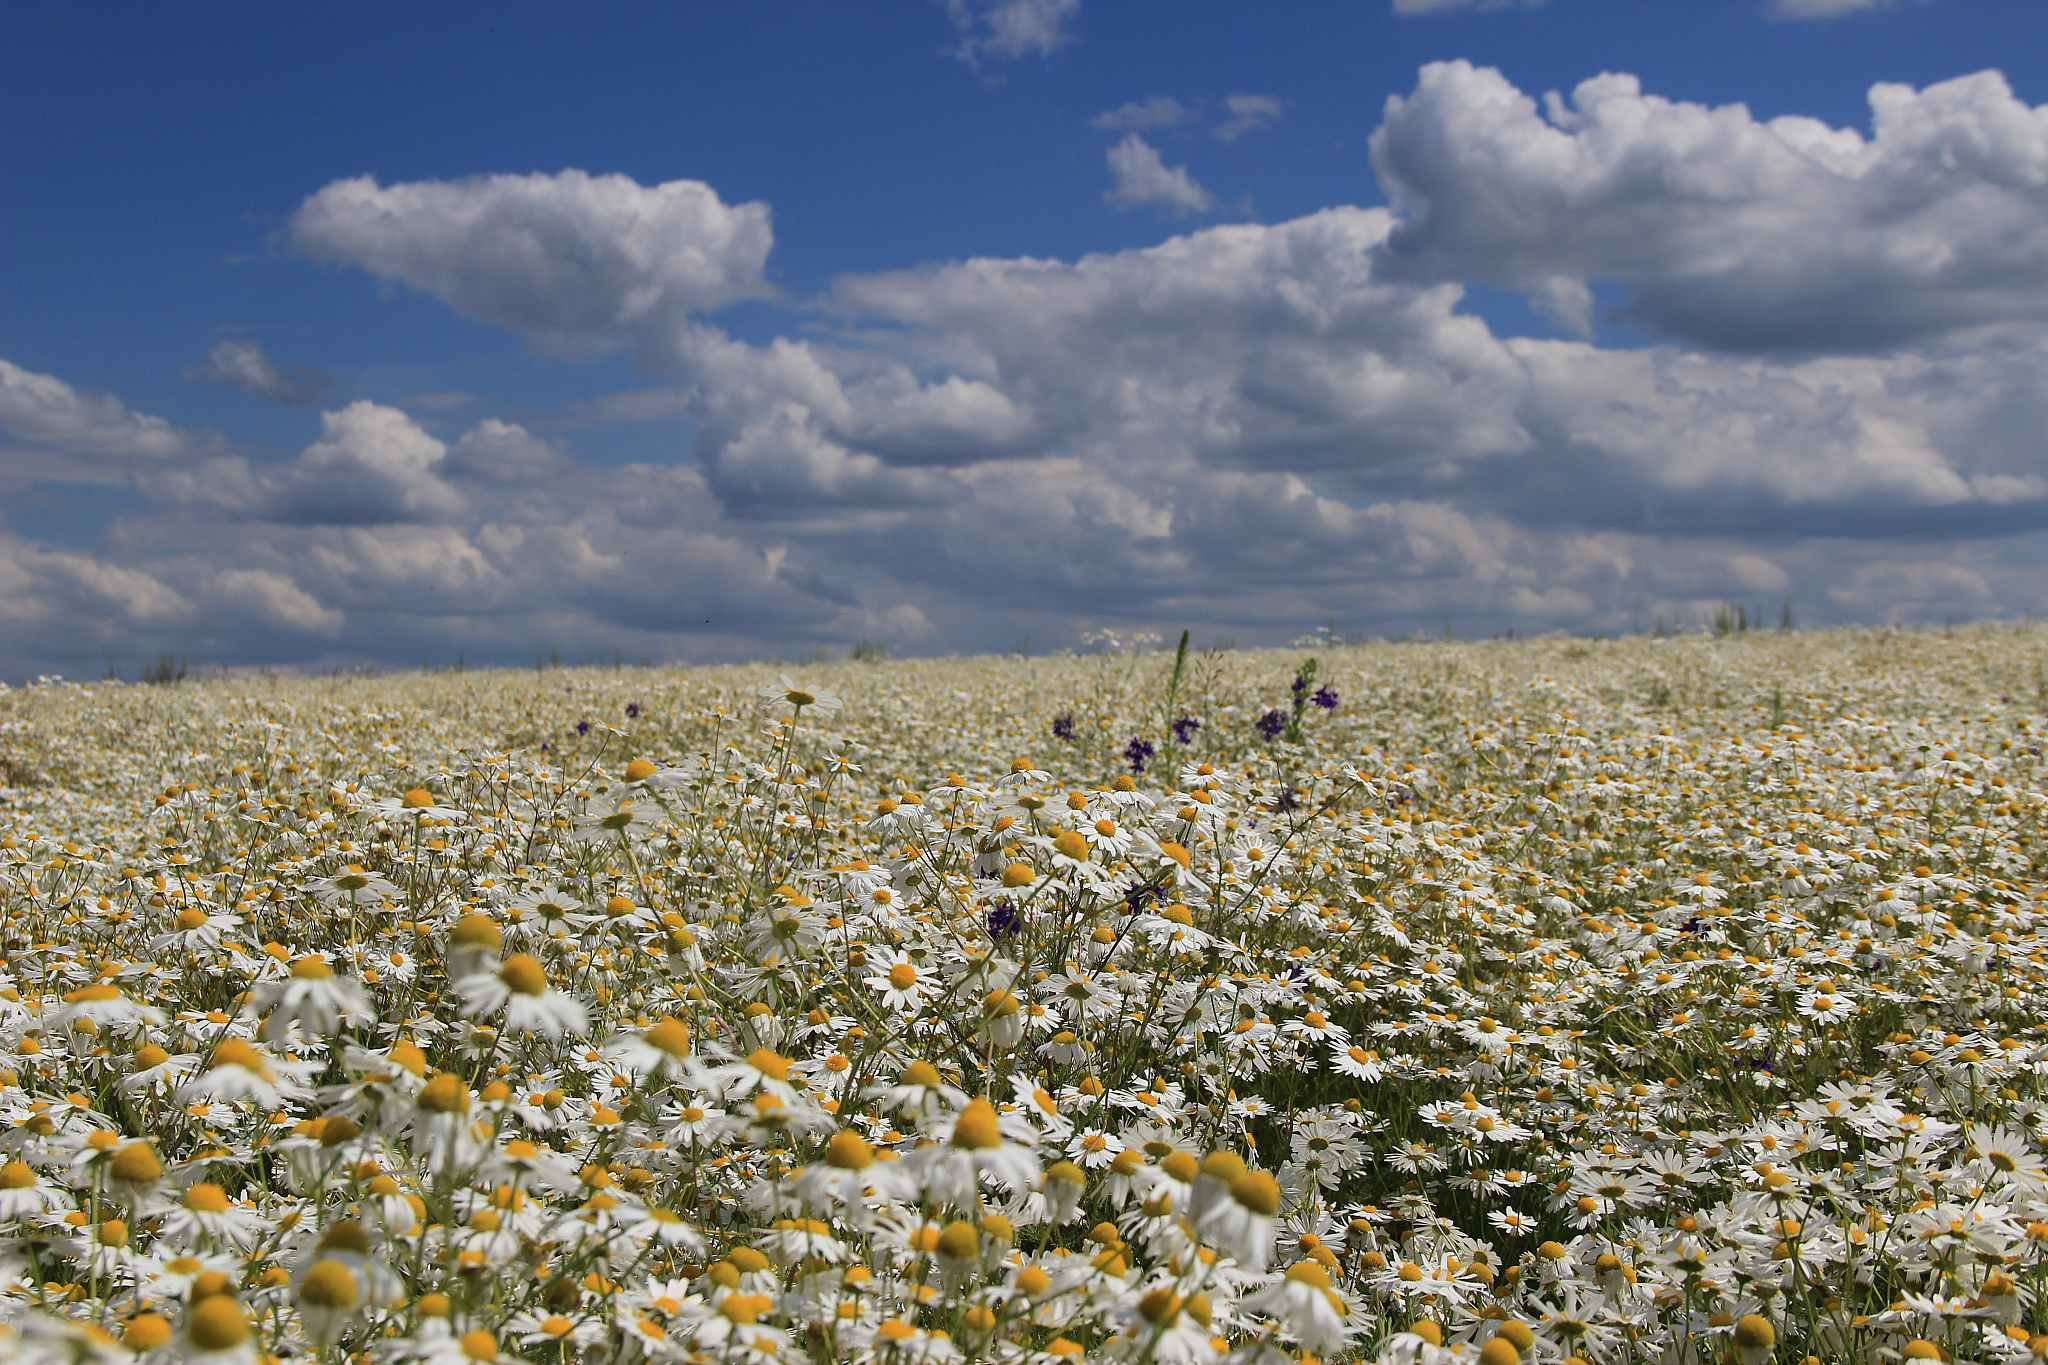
235, 1052
206, 1197
330, 1284
977, 1128
1754, 1332
146, 1332
444, 1094
477, 931
523, 974
218, 1324
849, 1151
960, 1241
1257, 1191
136, 1164
671, 1036
1309, 1273
1160, 1307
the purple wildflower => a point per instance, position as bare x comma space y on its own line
1063, 726
1184, 729
1271, 724
1326, 697
582, 727
1004, 919
632, 710
1137, 751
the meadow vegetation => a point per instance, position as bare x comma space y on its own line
1671, 1000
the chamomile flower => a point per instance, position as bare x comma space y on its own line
313, 998
520, 988
1305, 1306
970, 1148
899, 982
800, 697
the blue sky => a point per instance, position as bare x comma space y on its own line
1577, 371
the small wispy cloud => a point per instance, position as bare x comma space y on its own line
244, 365
1142, 177
1139, 116
1825, 9
1248, 114
1008, 29
1414, 7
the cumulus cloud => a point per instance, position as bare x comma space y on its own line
574, 262
502, 451
52, 432
1729, 232
1279, 352
1141, 176
1010, 29
244, 365
1906, 591
1249, 114
1142, 116
371, 464
80, 596
1244, 345
273, 600
1248, 428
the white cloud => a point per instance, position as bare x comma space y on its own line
1142, 177
951, 421
80, 597
498, 450
1907, 591
1249, 428
1249, 114
371, 464
574, 262
42, 413
1758, 574
1009, 29
274, 600
1730, 232
1825, 9
244, 365
1414, 7
1140, 116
